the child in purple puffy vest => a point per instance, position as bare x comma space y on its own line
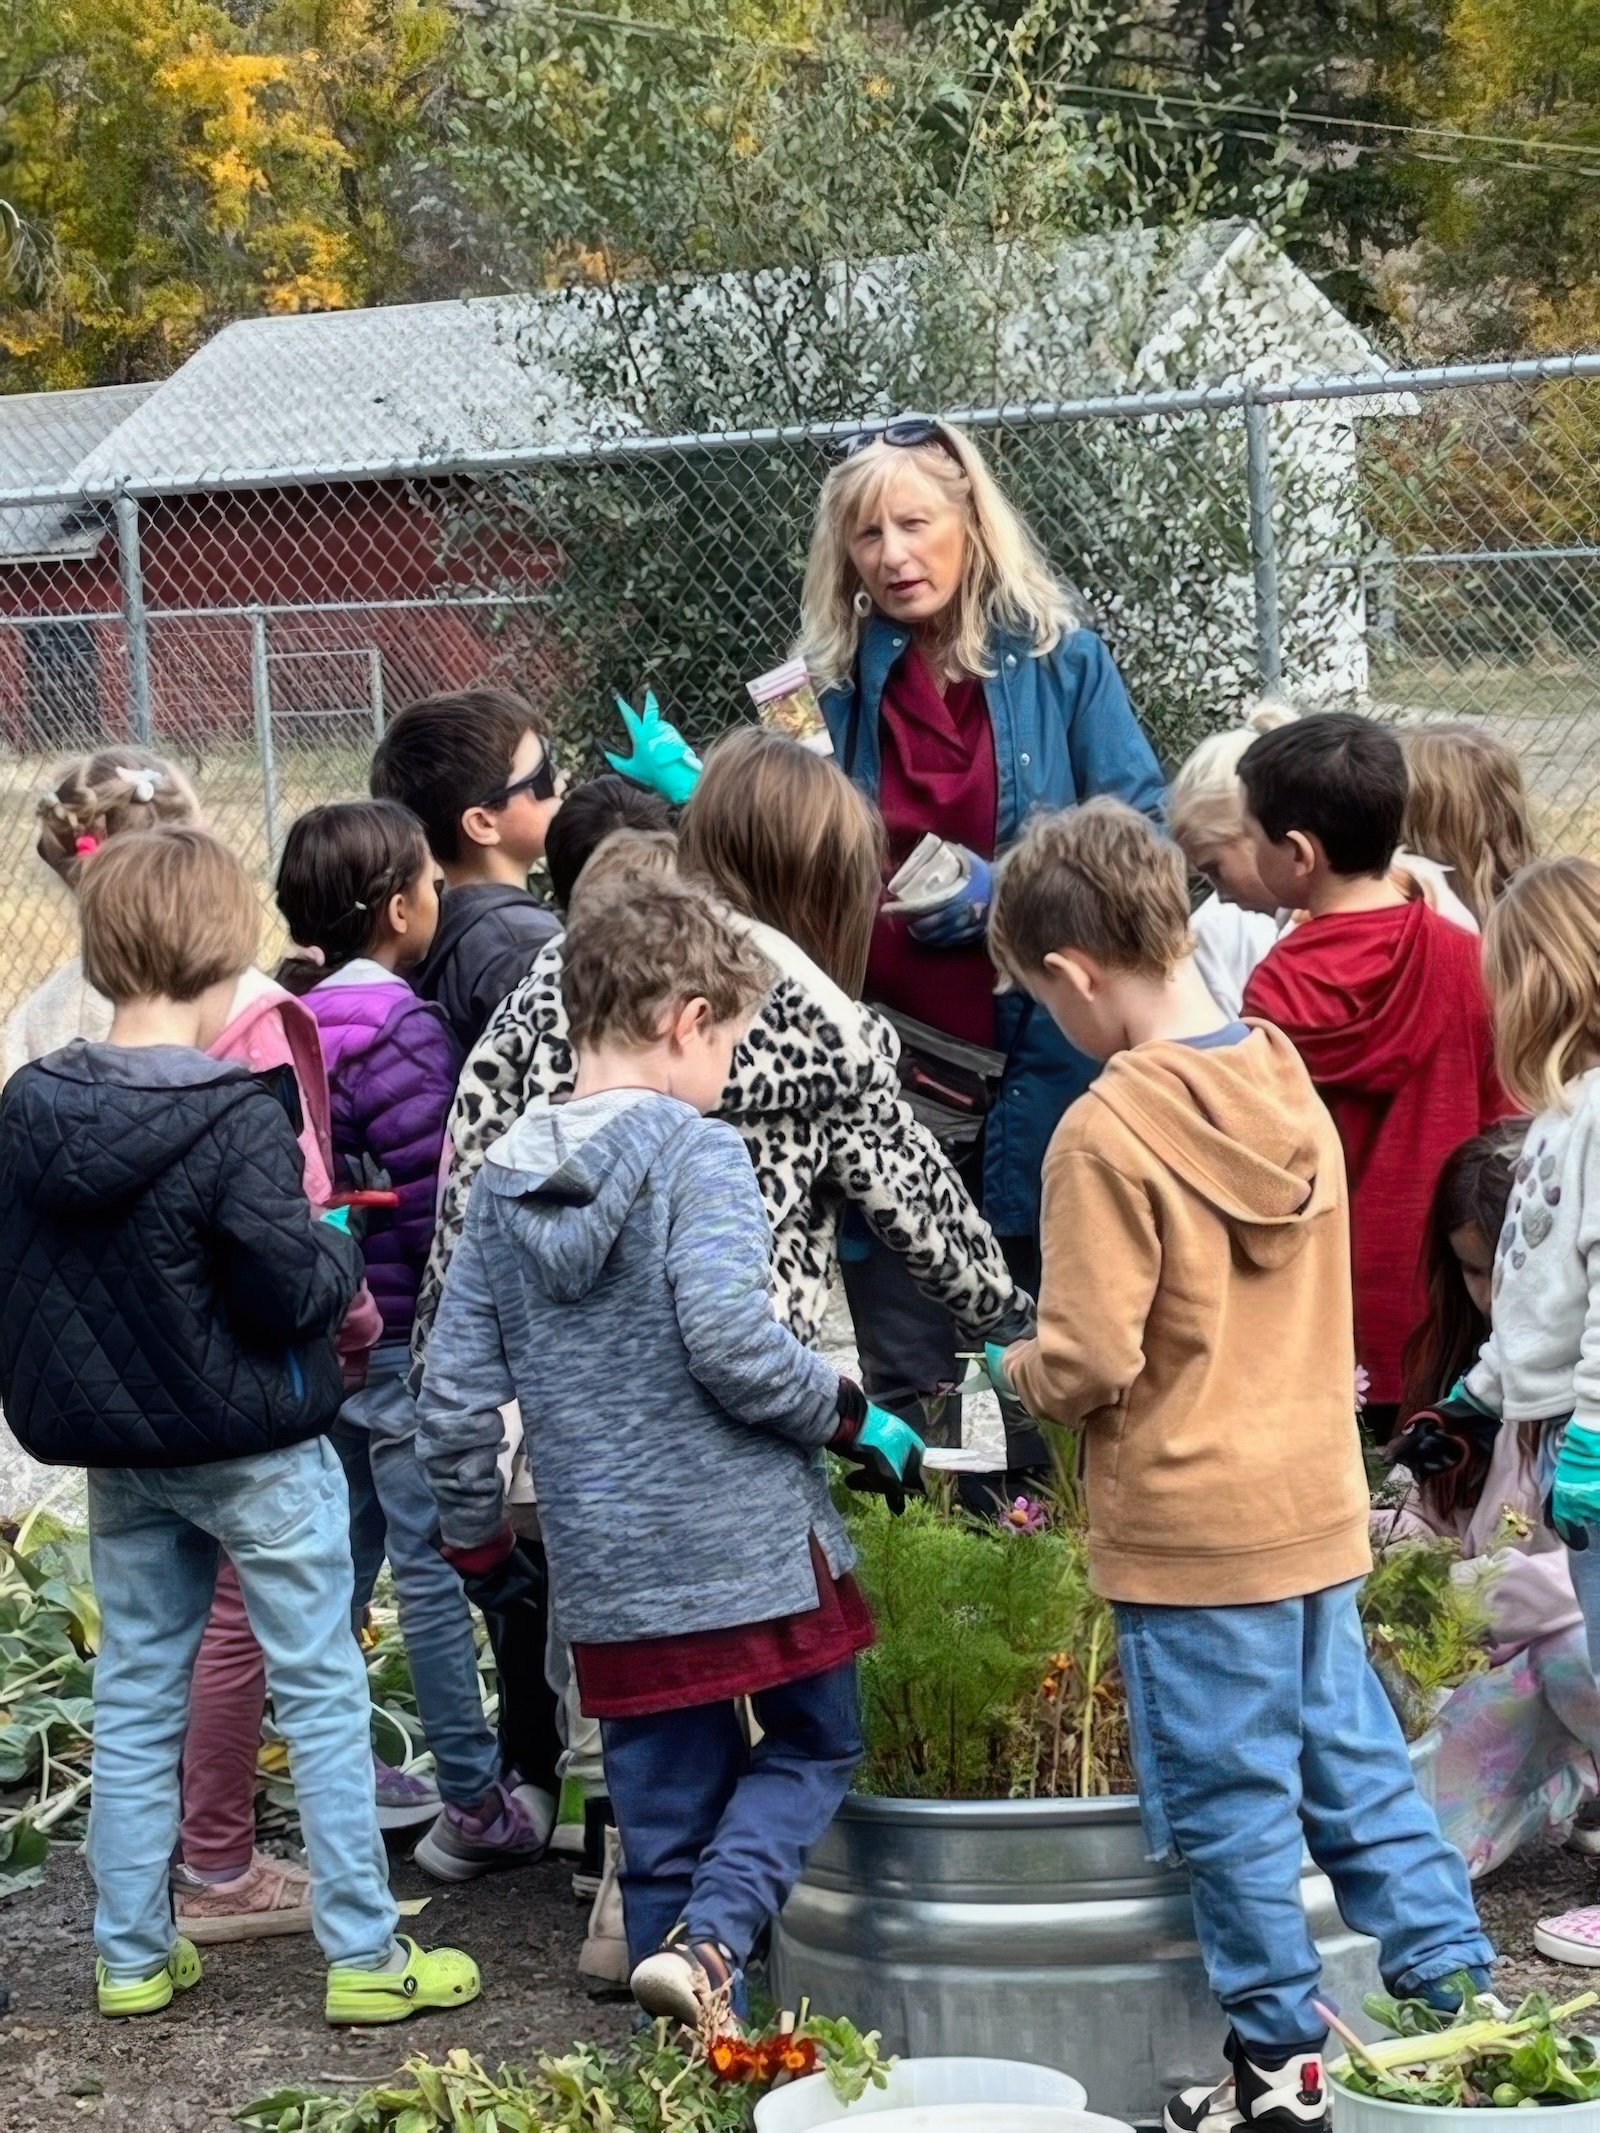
359, 892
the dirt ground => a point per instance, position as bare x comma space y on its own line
255, 2022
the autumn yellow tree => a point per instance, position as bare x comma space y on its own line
164, 169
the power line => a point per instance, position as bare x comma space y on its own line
1292, 115
1213, 113
1215, 118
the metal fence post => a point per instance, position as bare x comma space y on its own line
375, 687
133, 615
261, 697
1263, 538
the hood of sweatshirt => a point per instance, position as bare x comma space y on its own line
575, 1170
1366, 995
1241, 1125
98, 1123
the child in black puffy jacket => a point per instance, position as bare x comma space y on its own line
167, 1306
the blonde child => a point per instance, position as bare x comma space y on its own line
167, 1312
93, 802
92, 799
1541, 1363
1240, 921
1467, 809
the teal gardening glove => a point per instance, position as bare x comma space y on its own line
887, 1454
994, 1361
662, 759
1575, 1496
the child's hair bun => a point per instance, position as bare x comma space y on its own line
1266, 713
101, 795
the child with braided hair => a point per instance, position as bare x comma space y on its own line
224, 1888
92, 798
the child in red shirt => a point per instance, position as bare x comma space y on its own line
1383, 997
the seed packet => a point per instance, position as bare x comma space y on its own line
786, 701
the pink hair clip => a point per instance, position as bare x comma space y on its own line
87, 845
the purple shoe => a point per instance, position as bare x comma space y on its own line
464, 1843
404, 1800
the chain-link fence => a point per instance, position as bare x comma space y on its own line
1425, 544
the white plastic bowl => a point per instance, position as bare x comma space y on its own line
913, 2083
1372, 2114
994, 2118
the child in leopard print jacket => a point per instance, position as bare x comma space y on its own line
815, 1092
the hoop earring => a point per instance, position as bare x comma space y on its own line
862, 603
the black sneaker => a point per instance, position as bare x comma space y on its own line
1274, 2099
1585, 1837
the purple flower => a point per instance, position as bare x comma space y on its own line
1025, 1514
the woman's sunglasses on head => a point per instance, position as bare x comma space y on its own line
908, 433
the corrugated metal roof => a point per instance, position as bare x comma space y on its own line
43, 437
367, 390
353, 388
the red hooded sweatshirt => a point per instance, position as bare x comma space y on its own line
1389, 1012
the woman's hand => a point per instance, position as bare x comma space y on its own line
662, 759
963, 919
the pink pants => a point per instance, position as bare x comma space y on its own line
226, 1703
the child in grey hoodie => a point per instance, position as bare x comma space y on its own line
613, 1278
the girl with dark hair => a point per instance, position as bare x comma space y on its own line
1516, 1745
359, 891
1469, 1206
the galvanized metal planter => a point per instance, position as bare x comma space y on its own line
1036, 1929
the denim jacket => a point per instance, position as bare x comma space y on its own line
1063, 731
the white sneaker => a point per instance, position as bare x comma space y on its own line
1574, 1937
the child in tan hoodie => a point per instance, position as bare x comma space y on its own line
1195, 1324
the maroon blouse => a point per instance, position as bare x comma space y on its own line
938, 774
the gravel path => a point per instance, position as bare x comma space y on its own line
254, 2023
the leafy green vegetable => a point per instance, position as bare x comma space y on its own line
1426, 1630
24, 1853
994, 1674
661, 2082
1481, 2055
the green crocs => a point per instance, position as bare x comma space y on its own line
149, 1994
432, 1977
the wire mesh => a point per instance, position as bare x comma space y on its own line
1427, 545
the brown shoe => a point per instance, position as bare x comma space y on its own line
268, 1898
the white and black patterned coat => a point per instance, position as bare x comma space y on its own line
815, 1096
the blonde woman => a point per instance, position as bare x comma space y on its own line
962, 693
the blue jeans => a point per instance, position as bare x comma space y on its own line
717, 1833
392, 1512
284, 1520
1257, 1732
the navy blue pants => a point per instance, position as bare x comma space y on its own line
715, 1832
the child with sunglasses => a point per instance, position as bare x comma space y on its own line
476, 769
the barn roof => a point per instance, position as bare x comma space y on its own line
44, 438
371, 390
